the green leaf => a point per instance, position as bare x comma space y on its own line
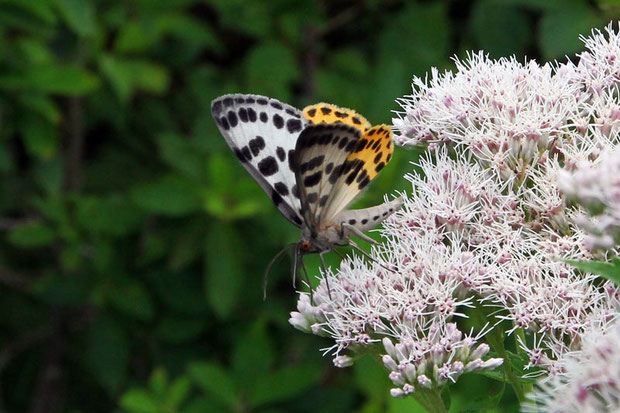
271, 69
107, 354
112, 216
215, 381
179, 330
40, 137
40, 9
158, 382
284, 384
63, 290
181, 154
560, 29
518, 363
64, 79
609, 270
79, 15
499, 29
31, 234
139, 401
41, 105
252, 355
127, 76
169, 195
203, 404
178, 392
371, 378
224, 268
132, 298
251, 17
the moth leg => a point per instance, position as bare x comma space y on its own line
338, 253
357, 233
365, 254
329, 291
294, 264
303, 266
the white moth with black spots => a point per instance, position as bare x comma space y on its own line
311, 163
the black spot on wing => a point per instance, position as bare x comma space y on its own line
246, 153
361, 144
291, 160
313, 179
311, 112
278, 122
292, 113
251, 115
261, 101
243, 115
227, 101
217, 107
232, 118
312, 164
380, 167
377, 158
276, 198
224, 123
276, 105
268, 166
364, 183
352, 222
256, 145
313, 197
239, 154
329, 168
364, 221
295, 191
335, 174
281, 153
281, 188
263, 117
340, 115
293, 125
326, 111
323, 200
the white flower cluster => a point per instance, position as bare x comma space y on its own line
589, 381
596, 186
486, 222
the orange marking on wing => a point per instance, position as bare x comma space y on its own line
374, 150
328, 113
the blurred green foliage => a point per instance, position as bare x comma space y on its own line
133, 244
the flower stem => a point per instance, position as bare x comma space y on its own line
496, 337
519, 333
431, 400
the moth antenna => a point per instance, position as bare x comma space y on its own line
295, 263
303, 266
268, 269
329, 291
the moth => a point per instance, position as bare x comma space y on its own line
312, 163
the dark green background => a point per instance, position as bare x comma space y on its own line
132, 243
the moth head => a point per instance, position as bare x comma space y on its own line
305, 246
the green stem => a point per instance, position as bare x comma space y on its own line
431, 400
519, 333
496, 337
496, 341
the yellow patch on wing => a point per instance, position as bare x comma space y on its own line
328, 113
374, 150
